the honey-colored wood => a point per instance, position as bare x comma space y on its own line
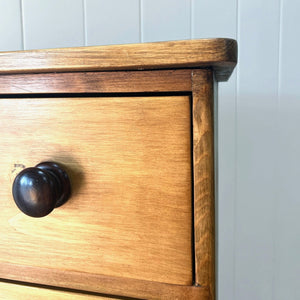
98, 82
130, 165
127, 230
203, 158
9, 291
106, 284
219, 54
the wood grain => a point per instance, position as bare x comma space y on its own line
98, 82
130, 166
220, 54
105, 284
9, 291
203, 158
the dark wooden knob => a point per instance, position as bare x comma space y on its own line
37, 191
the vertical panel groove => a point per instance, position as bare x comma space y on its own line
274, 207
84, 22
22, 25
52, 24
141, 20
235, 155
192, 19
280, 49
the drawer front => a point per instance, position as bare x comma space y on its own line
129, 159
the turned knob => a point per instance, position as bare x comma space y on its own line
38, 190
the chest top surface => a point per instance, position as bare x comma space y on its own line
219, 54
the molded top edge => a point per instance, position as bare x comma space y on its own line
218, 53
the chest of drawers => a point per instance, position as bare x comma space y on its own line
133, 127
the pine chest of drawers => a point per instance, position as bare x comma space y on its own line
132, 126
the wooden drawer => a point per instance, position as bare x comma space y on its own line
138, 147
131, 211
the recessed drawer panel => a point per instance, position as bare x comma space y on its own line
129, 159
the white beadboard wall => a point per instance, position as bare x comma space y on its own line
258, 165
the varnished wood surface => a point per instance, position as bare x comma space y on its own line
130, 166
105, 284
97, 82
220, 54
203, 158
9, 291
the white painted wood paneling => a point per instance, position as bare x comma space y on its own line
224, 25
112, 22
257, 155
10, 25
53, 23
214, 18
164, 20
287, 207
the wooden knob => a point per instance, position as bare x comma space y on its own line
37, 191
